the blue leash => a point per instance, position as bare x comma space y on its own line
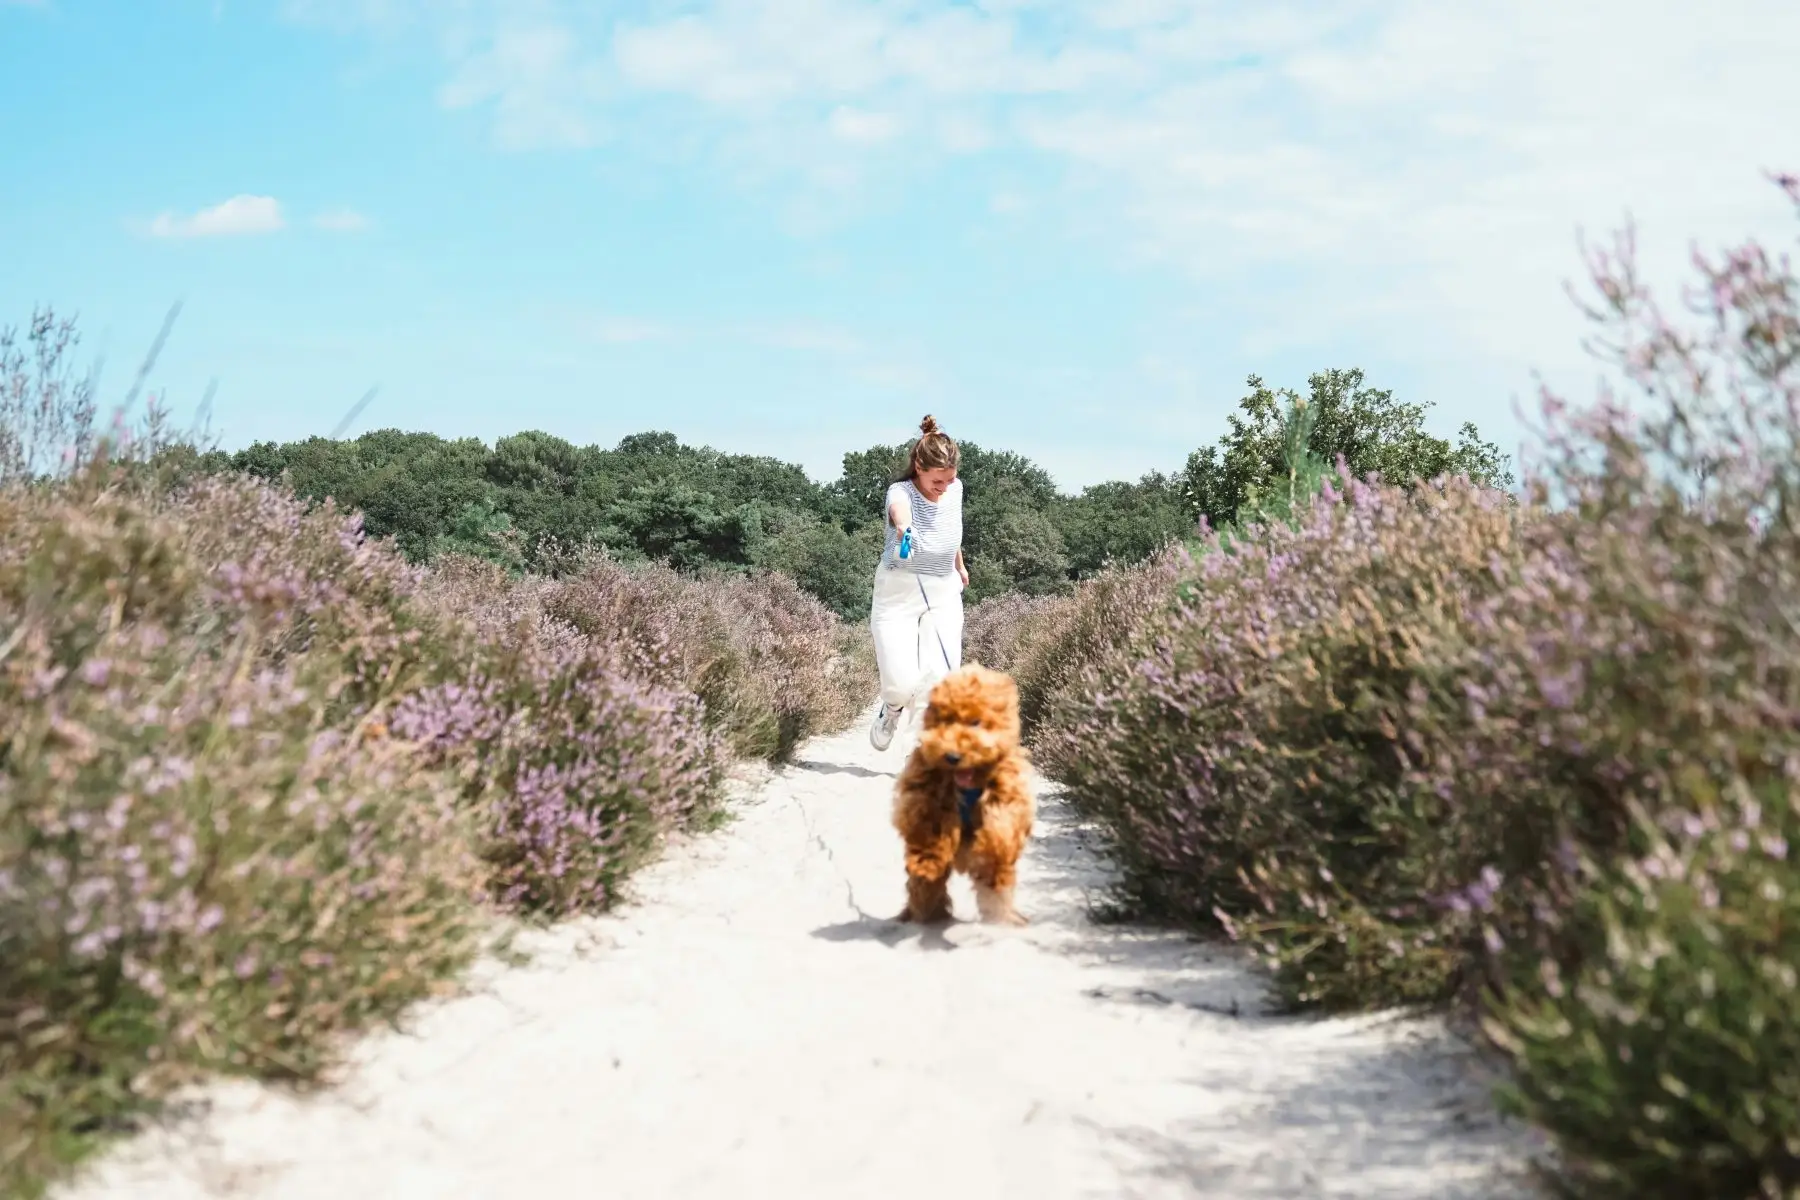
905, 550
968, 804
968, 800
942, 649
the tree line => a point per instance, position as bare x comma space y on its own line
529, 496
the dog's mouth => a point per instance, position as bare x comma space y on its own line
964, 778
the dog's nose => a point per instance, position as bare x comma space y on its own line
953, 759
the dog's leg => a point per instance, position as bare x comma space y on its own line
996, 906
994, 876
927, 900
928, 880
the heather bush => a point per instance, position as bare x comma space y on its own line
598, 709
1058, 646
1054, 646
1663, 1058
50, 425
1244, 758
1658, 1036
209, 857
1538, 753
772, 665
46, 411
578, 762
259, 772
999, 630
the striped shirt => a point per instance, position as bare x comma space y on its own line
937, 530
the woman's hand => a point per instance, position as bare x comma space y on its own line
962, 569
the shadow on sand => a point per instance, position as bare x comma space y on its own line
1373, 1095
887, 932
821, 768
1371, 1099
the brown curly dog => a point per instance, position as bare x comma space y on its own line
962, 802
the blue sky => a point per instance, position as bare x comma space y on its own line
792, 227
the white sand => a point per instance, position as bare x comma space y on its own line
752, 1025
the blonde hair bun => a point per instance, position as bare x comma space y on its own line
929, 425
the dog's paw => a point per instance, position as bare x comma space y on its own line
996, 906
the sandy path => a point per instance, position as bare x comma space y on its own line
750, 1027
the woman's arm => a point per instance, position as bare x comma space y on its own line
962, 568
899, 511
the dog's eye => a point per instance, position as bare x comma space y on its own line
975, 721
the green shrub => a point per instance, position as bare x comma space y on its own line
1243, 753
1539, 755
210, 860
826, 561
771, 665
1664, 1057
1055, 646
1655, 1029
258, 773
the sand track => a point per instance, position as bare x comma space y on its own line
752, 1025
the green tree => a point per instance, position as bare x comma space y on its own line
1284, 496
1371, 430
821, 556
654, 444
983, 471
650, 496
265, 460
672, 521
408, 486
483, 531
1009, 534
534, 461
1121, 522
1023, 545
855, 498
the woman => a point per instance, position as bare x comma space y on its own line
917, 611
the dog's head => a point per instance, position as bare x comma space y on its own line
971, 723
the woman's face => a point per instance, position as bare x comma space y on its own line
934, 483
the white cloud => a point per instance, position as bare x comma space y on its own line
1419, 178
1007, 203
341, 220
1405, 174
346, 16
689, 55
963, 134
533, 75
238, 216
862, 126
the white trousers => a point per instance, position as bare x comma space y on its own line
918, 622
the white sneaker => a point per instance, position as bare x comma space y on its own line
887, 720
